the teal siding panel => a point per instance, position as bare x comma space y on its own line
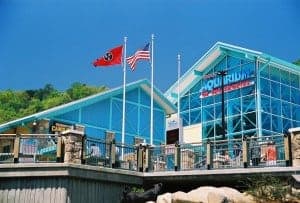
145, 122
96, 114
116, 115
159, 130
131, 118
70, 116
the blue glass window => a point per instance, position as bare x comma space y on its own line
221, 65
234, 124
234, 106
249, 121
277, 124
248, 103
196, 116
274, 74
248, 90
197, 87
296, 114
218, 110
285, 93
184, 103
207, 100
295, 96
265, 86
265, 104
185, 118
266, 121
276, 106
195, 100
265, 72
286, 109
208, 130
285, 77
208, 113
275, 89
295, 80
287, 124
232, 62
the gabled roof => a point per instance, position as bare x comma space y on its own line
158, 97
212, 57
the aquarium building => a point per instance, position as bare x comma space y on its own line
261, 96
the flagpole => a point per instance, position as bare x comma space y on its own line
124, 96
178, 96
152, 68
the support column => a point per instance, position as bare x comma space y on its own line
209, 158
295, 146
177, 157
72, 140
59, 149
245, 153
17, 148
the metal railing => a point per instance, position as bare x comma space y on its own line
28, 148
110, 154
265, 151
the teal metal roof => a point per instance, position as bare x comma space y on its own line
158, 97
215, 54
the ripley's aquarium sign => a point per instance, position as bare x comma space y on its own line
233, 81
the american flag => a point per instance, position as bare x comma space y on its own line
139, 54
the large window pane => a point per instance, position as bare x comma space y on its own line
265, 72
234, 124
208, 130
185, 118
232, 62
265, 86
248, 103
265, 104
285, 77
249, 121
208, 113
287, 124
195, 101
276, 106
275, 89
184, 103
266, 121
274, 73
234, 106
296, 112
286, 109
295, 96
285, 93
295, 80
277, 124
196, 116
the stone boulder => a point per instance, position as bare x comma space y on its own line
206, 194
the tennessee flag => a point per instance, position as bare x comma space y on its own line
111, 57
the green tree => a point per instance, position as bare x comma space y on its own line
16, 104
297, 62
79, 90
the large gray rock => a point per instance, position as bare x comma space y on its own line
206, 194
165, 198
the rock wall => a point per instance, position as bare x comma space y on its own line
72, 141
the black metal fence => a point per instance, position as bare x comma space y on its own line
265, 151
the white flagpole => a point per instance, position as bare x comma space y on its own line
178, 96
152, 67
124, 96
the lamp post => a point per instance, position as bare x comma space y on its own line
222, 74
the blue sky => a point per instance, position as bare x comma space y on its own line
53, 41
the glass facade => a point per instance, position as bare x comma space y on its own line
280, 99
263, 102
